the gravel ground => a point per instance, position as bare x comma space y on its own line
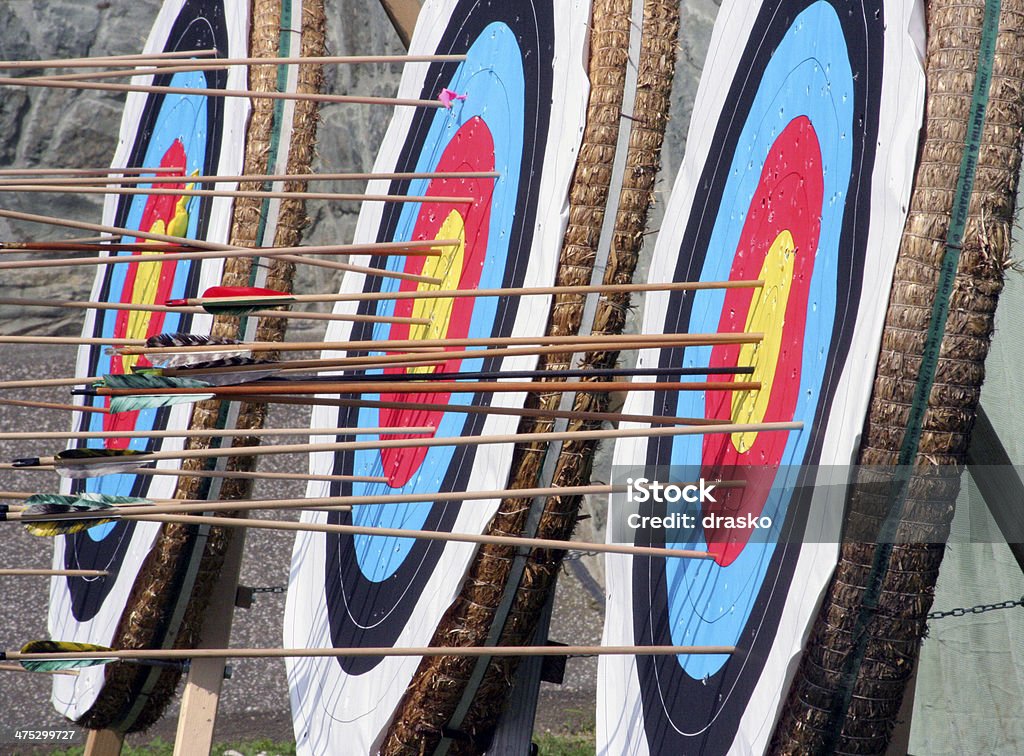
255, 700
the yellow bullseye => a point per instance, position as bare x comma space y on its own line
448, 267
767, 315
147, 277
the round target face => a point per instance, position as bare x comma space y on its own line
783, 208
379, 579
520, 102
781, 191
183, 133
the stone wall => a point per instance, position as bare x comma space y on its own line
61, 128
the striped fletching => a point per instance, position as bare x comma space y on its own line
58, 647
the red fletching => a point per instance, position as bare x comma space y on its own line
235, 300
242, 291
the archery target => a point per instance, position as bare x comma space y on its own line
525, 96
191, 134
802, 181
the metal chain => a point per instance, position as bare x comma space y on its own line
979, 609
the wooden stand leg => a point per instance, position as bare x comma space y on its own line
103, 743
403, 14
202, 688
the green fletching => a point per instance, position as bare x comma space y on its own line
42, 505
153, 401
98, 500
46, 503
60, 647
53, 503
148, 382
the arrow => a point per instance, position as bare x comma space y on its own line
38, 656
31, 572
165, 60
208, 474
131, 307
134, 346
150, 247
213, 250
101, 654
47, 505
599, 417
195, 506
218, 296
76, 462
24, 188
126, 400
427, 535
254, 371
91, 463
69, 649
82, 176
410, 359
88, 173
487, 374
104, 60
50, 83
211, 433
19, 668
51, 405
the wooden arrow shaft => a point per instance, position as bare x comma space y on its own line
653, 340
176, 65
393, 360
157, 513
177, 506
50, 83
269, 194
214, 250
106, 60
500, 292
130, 307
52, 405
76, 176
438, 356
177, 473
601, 417
256, 475
31, 572
428, 535
137, 346
260, 653
19, 668
438, 387
402, 443
87, 172
211, 433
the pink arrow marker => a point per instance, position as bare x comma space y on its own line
447, 96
